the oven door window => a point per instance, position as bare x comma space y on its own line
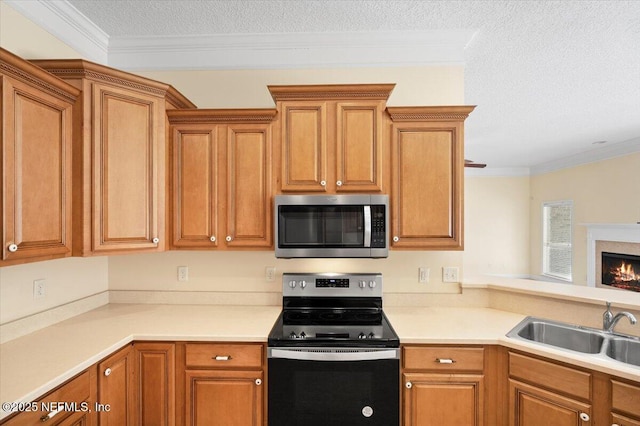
320, 393
321, 226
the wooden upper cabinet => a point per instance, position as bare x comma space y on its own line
36, 111
331, 137
427, 175
119, 157
221, 178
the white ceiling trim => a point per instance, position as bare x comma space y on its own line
290, 50
65, 22
599, 154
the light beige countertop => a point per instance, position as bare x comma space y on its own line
38, 362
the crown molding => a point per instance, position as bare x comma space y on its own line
66, 23
497, 172
290, 50
620, 149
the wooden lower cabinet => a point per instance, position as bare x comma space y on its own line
223, 384
441, 399
72, 403
546, 393
446, 385
154, 382
625, 403
116, 389
224, 398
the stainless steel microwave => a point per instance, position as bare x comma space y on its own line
343, 225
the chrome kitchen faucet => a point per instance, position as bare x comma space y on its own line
609, 321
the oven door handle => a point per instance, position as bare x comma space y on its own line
303, 355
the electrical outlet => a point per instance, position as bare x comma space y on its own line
38, 289
183, 273
423, 275
450, 274
270, 273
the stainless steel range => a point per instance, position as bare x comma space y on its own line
333, 357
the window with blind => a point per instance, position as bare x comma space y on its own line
556, 240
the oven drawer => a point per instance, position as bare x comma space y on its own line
224, 355
443, 358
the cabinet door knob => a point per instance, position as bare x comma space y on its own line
584, 417
258, 382
228, 238
396, 239
323, 183
13, 248
107, 372
339, 183
156, 240
212, 239
408, 385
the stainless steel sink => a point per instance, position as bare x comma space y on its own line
575, 338
563, 336
625, 350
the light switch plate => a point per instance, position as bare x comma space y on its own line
450, 274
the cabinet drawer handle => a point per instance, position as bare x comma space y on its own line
584, 417
107, 372
258, 382
445, 360
50, 415
156, 240
212, 239
223, 358
408, 385
13, 248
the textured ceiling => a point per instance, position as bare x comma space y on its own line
549, 77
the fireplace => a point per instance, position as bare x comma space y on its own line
619, 239
621, 270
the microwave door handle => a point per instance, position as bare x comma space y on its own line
367, 226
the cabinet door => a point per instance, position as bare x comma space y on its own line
248, 172
443, 399
154, 382
195, 186
224, 398
128, 169
359, 142
116, 389
620, 420
36, 182
427, 174
304, 146
532, 406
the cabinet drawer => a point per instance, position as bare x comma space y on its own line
220, 355
443, 358
550, 375
625, 398
73, 396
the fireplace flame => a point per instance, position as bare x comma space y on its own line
626, 272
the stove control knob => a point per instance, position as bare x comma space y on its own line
303, 284
371, 336
362, 283
292, 284
372, 284
303, 335
362, 336
293, 335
